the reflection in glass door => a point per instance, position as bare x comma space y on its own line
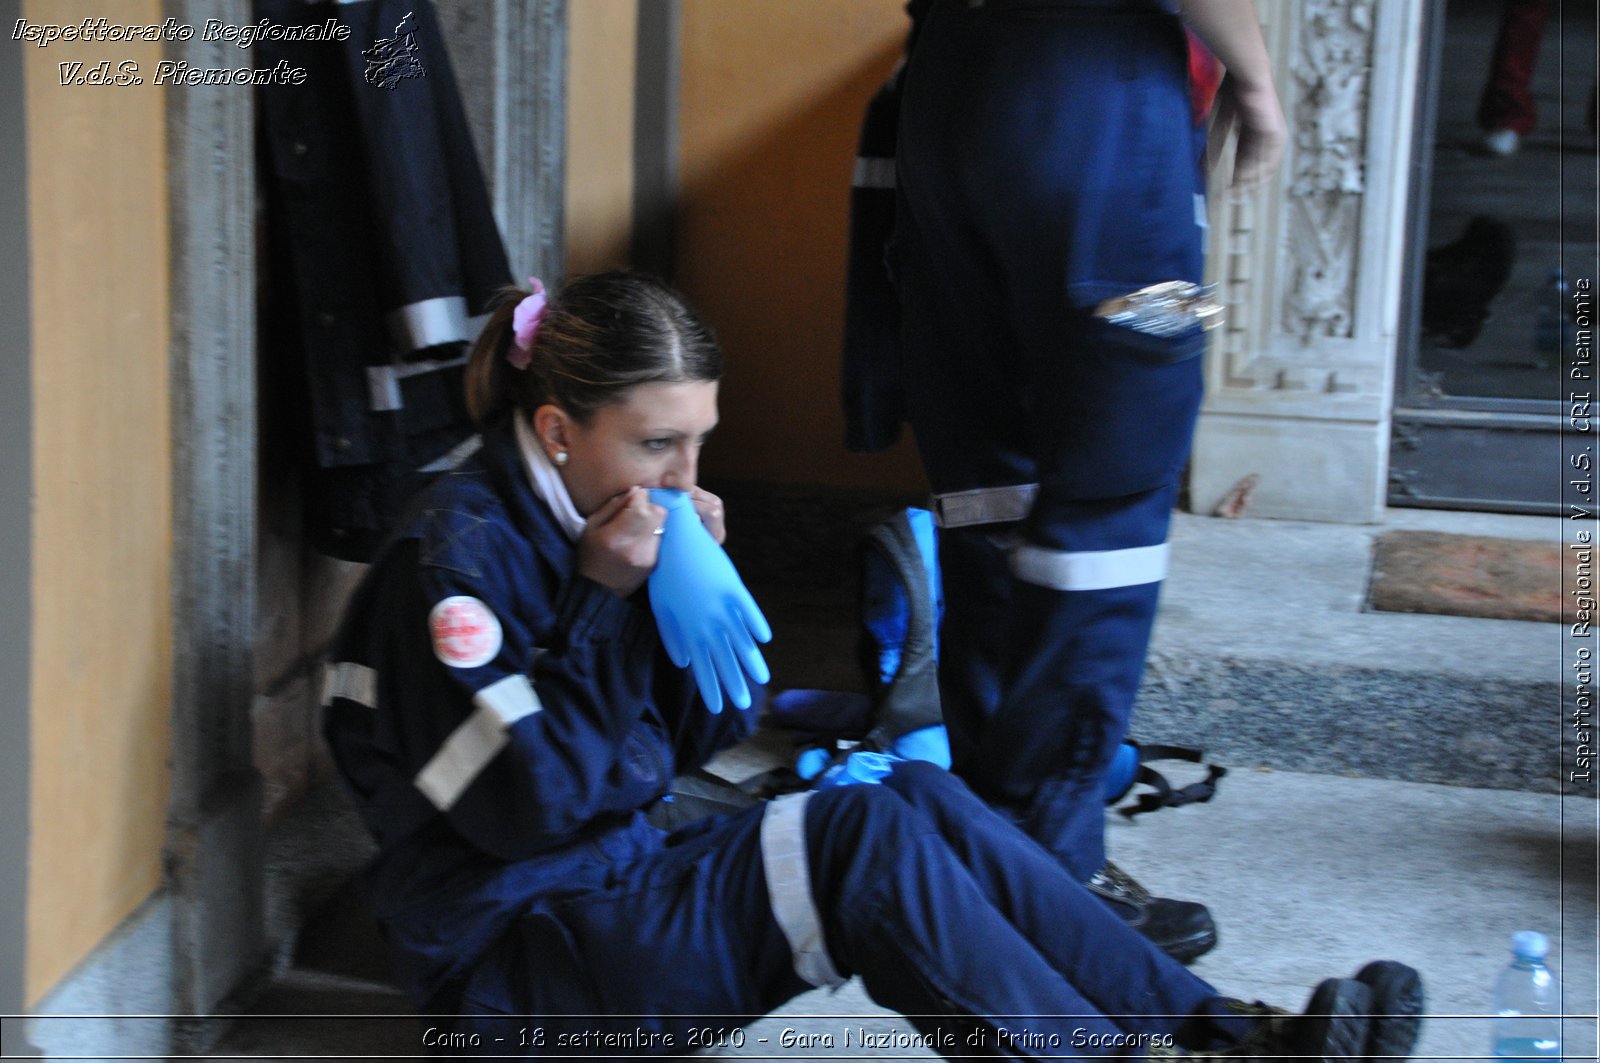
1503, 256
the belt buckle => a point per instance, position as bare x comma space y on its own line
1165, 309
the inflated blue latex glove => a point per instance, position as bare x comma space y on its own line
708, 621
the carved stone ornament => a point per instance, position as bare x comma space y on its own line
1331, 74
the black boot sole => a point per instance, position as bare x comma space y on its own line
1334, 1027
1397, 1005
1187, 950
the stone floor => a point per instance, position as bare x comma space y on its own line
1308, 876
1342, 832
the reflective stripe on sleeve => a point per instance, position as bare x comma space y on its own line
428, 323
383, 381
1089, 570
455, 455
351, 681
511, 698
476, 742
783, 858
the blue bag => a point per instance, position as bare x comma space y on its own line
901, 606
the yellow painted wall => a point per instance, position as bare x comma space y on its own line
771, 104
599, 176
102, 523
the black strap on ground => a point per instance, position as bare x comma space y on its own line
1165, 795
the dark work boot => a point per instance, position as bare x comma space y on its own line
1334, 1028
1181, 929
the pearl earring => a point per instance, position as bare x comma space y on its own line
559, 457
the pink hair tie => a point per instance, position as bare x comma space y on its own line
525, 321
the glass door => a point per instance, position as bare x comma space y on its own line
1496, 378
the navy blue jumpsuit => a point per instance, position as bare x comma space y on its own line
1047, 161
504, 722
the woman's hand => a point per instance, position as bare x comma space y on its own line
710, 508
621, 542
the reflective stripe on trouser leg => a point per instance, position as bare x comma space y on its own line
1089, 570
788, 870
1042, 654
1086, 585
984, 505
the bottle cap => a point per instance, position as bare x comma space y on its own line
1529, 945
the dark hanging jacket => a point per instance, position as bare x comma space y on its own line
874, 404
381, 249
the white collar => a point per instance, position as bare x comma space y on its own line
547, 482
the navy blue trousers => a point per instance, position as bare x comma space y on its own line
947, 912
1047, 161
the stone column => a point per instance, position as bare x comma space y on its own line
214, 827
1300, 380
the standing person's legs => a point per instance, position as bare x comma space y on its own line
1047, 162
1507, 102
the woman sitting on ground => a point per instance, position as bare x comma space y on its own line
502, 706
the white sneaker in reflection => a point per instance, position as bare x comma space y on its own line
1500, 142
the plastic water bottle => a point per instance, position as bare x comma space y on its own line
1527, 1003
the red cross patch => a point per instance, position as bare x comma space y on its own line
465, 633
